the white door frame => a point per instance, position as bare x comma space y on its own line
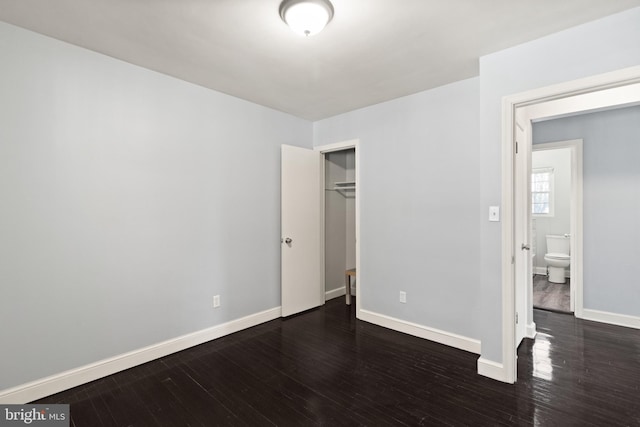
568, 98
575, 219
340, 146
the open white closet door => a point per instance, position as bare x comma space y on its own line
301, 229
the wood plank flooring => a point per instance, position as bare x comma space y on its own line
551, 296
326, 368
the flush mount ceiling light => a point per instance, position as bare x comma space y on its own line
306, 17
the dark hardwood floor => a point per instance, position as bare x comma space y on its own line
326, 368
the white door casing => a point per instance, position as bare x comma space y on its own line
301, 260
616, 88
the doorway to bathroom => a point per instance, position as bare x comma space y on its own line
615, 89
556, 210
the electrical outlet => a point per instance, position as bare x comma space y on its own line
403, 297
216, 301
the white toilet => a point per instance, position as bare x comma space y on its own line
558, 256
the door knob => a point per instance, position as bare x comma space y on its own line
288, 240
525, 247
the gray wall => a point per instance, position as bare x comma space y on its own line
600, 46
611, 144
128, 199
560, 222
419, 200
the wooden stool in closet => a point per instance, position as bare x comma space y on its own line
347, 289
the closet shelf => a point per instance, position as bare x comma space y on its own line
346, 185
343, 186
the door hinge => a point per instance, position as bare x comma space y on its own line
513, 259
516, 317
516, 147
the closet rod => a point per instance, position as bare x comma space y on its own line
340, 188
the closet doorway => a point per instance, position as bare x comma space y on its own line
341, 220
314, 267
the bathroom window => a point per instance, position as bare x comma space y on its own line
542, 192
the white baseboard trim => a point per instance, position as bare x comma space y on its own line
338, 292
611, 318
543, 271
334, 293
531, 330
432, 334
43, 387
494, 370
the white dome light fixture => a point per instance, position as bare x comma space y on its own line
306, 17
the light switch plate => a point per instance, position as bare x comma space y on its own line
494, 213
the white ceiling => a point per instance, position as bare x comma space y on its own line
372, 50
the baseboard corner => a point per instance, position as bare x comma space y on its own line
531, 330
490, 369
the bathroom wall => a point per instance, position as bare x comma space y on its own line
559, 223
611, 203
128, 199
